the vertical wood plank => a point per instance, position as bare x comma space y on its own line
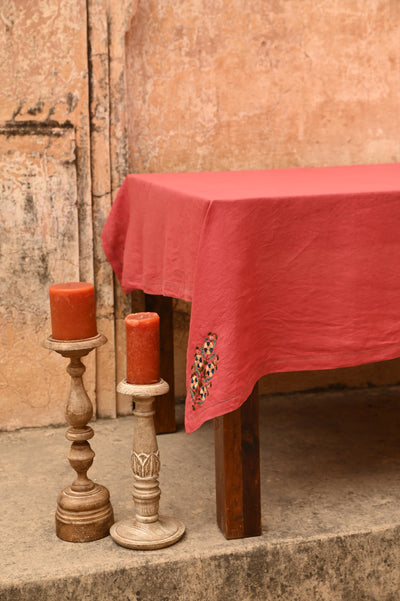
164, 418
99, 102
237, 467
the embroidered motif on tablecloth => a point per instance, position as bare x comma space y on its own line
203, 370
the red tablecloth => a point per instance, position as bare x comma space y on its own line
287, 270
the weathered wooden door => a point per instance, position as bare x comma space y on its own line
63, 155
45, 196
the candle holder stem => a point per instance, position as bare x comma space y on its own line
148, 530
84, 512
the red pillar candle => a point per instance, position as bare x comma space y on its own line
142, 348
73, 311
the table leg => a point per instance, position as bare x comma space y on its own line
237, 465
164, 418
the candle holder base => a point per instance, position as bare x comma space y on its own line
132, 534
83, 516
148, 529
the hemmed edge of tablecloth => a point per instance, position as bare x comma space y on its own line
205, 413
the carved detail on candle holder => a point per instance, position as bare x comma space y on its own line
148, 530
84, 512
145, 465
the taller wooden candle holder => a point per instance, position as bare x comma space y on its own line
84, 512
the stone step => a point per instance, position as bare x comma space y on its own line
330, 466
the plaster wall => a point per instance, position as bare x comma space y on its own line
246, 84
235, 84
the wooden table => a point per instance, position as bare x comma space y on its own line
287, 270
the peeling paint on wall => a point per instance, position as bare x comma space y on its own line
45, 201
39, 246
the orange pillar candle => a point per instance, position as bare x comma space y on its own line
73, 311
142, 348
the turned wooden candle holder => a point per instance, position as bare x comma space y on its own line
148, 529
84, 512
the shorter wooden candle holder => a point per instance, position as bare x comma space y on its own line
148, 530
84, 512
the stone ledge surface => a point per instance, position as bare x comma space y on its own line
330, 509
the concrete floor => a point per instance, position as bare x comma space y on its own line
330, 507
